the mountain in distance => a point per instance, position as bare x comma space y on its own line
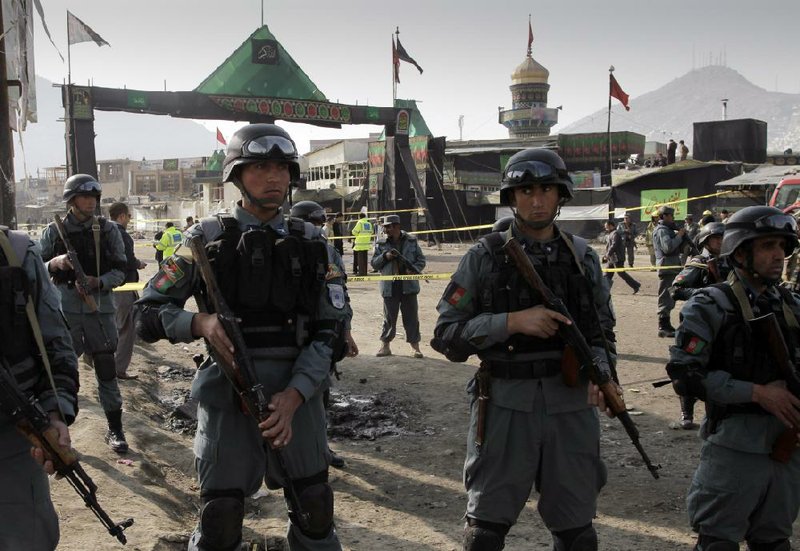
670, 111
119, 136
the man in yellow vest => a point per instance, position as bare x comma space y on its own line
363, 232
170, 240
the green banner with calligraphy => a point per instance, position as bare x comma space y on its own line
651, 199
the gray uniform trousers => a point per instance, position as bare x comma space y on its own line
630, 251
559, 453
665, 300
93, 333
405, 304
126, 326
230, 453
737, 495
28, 520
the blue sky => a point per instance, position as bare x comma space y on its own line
467, 48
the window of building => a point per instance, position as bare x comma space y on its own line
170, 182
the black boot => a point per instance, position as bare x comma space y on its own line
665, 329
115, 438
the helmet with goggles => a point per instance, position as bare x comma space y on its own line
257, 143
81, 184
760, 221
535, 166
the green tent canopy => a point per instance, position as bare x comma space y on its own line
261, 67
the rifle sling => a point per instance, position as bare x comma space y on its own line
30, 312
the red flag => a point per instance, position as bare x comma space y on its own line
395, 62
530, 36
618, 93
221, 138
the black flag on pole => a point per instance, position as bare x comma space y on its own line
403, 54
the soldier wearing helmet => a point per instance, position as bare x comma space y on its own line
739, 492
101, 253
667, 242
792, 271
535, 423
700, 271
280, 279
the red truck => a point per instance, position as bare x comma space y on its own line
787, 194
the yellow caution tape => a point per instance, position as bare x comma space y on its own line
641, 269
135, 286
398, 277
656, 205
384, 211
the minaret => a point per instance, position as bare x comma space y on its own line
529, 115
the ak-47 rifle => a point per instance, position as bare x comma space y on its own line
586, 358
766, 329
81, 280
33, 422
406, 262
241, 373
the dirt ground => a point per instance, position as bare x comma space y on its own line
401, 488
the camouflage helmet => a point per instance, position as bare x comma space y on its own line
535, 166
752, 222
255, 143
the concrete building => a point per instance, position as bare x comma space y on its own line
337, 165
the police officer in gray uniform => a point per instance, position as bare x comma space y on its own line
398, 296
738, 491
274, 273
700, 271
667, 245
101, 252
537, 431
29, 521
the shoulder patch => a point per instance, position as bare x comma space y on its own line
336, 295
693, 345
457, 296
333, 272
168, 275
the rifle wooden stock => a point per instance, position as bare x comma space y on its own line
81, 280
34, 423
767, 329
241, 373
574, 339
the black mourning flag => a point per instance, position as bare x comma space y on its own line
403, 54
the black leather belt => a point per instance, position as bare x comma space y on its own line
530, 370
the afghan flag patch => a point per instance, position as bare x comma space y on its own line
169, 274
458, 296
694, 346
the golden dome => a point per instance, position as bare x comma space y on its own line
530, 71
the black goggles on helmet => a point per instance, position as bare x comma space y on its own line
268, 147
533, 170
781, 222
87, 187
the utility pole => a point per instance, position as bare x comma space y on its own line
8, 216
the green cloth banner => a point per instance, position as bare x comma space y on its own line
651, 199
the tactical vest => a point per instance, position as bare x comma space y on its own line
504, 290
15, 330
83, 241
272, 282
736, 352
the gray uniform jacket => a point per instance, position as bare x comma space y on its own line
615, 248
309, 368
56, 339
71, 301
459, 318
666, 243
627, 234
703, 316
409, 248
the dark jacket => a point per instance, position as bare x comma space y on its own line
132, 263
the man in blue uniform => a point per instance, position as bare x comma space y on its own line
101, 252
667, 243
28, 519
739, 492
537, 430
274, 273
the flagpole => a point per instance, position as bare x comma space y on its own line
394, 72
70, 120
69, 59
608, 131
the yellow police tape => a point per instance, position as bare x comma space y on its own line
420, 209
655, 206
463, 228
138, 286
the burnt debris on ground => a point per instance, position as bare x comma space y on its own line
371, 416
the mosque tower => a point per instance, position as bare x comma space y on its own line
529, 115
